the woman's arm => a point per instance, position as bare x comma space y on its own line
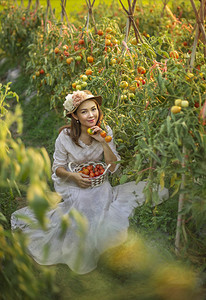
109, 156
80, 179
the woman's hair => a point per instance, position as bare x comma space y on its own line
75, 127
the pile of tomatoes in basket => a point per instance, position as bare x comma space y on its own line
93, 170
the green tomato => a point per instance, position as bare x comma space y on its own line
184, 103
178, 102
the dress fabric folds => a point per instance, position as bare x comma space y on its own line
104, 212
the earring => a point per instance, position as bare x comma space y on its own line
77, 121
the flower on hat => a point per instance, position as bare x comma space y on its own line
74, 100
68, 103
78, 97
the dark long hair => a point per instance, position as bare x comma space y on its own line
74, 128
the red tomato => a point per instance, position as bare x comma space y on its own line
91, 174
96, 173
85, 171
90, 167
103, 134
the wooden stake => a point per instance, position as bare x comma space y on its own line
180, 208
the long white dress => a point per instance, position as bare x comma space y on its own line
105, 209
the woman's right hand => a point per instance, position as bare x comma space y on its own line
81, 180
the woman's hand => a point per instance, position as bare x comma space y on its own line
81, 180
96, 134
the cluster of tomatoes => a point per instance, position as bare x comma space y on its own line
103, 134
93, 170
179, 103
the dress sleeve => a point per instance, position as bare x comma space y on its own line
113, 148
60, 154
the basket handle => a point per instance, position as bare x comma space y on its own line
108, 166
70, 166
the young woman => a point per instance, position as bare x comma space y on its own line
99, 216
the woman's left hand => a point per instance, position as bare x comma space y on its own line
97, 134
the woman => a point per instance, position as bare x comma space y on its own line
98, 215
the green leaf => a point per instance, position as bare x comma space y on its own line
123, 179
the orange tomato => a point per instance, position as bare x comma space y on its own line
90, 59
69, 60
108, 138
56, 50
174, 54
103, 134
141, 70
88, 72
81, 42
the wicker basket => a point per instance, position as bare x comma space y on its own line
95, 181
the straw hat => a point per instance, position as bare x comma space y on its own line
73, 100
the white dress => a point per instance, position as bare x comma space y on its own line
105, 210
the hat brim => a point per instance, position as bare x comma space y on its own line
98, 99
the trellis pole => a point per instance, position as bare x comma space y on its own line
29, 4
63, 12
90, 15
180, 215
200, 30
131, 22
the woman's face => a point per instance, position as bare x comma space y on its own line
88, 113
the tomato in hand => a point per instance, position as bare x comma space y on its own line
108, 138
90, 131
103, 134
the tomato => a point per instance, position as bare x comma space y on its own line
90, 59
84, 77
123, 84
56, 50
66, 53
175, 109
96, 173
85, 171
108, 29
37, 73
178, 102
69, 60
107, 42
90, 131
41, 71
141, 70
100, 32
74, 85
108, 138
103, 134
184, 103
81, 42
78, 58
90, 167
174, 54
91, 174
88, 72
113, 61
65, 47
197, 104
101, 171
